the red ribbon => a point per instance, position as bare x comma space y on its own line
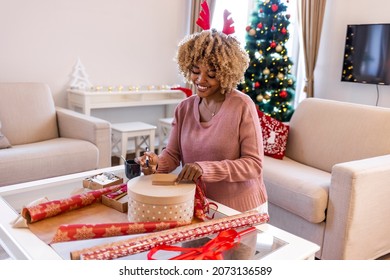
187, 91
212, 250
202, 205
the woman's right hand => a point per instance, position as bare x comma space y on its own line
148, 162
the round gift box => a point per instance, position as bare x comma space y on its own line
159, 203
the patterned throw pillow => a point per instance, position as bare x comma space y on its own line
4, 143
275, 135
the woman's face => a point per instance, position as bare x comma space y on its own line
205, 81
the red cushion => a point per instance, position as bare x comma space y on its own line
275, 135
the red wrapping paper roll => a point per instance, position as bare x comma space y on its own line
136, 245
52, 208
89, 231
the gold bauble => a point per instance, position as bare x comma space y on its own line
259, 98
280, 76
267, 97
290, 82
279, 48
266, 71
252, 32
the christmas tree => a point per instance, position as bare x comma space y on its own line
268, 79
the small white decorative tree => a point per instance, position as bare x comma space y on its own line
79, 77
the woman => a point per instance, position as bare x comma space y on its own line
216, 133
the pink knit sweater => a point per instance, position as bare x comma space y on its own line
229, 148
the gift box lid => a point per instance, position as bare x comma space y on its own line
141, 189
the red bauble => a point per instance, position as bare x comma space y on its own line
261, 10
274, 7
284, 30
248, 28
288, 16
273, 28
260, 25
283, 94
257, 84
273, 44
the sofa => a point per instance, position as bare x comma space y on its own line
332, 186
39, 140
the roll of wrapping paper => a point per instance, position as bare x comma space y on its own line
144, 243
89, 231
55, 207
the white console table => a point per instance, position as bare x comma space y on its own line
87, 100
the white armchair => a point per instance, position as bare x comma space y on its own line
47, 141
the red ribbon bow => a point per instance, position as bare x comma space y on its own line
212, 250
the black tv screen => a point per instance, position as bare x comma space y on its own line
367, 54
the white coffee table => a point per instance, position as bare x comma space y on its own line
21, 243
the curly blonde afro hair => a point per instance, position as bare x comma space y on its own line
217, 50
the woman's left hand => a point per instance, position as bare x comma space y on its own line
190, 172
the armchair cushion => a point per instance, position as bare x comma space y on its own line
26, 118
304, 192
45, 159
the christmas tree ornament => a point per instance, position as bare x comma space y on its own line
279, 48
257, 84
273, 44
248, 28
252, 32
259, 98
274, 7
280, 76
283, 94
260, 25
284, 31
266, 71
79, 77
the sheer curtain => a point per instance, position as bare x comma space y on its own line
311, 15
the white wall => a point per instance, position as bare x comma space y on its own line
339, 13
119, 42
129, 42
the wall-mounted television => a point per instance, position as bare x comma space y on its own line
367, 54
